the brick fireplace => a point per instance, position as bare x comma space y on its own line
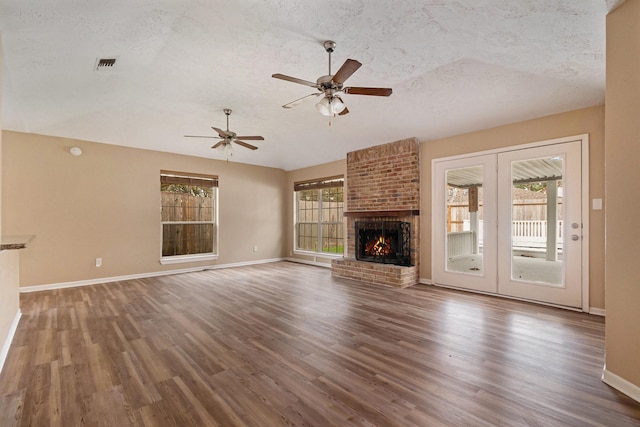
383, 199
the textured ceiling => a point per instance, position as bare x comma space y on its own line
454, 65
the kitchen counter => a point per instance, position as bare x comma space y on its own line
15, 242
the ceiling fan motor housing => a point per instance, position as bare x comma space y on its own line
328, 86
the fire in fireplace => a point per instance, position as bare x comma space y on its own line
385, 242
378, 247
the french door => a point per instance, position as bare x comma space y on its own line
465, 238
510, 223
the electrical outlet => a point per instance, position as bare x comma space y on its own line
98, 262
597, 204
255, 248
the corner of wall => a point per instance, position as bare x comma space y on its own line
621, 153
9, 284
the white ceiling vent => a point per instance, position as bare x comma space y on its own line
106, 64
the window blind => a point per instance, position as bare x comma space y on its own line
188, 179
329, 182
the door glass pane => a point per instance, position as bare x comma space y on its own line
536, 220
464, 220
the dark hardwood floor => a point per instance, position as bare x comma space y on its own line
285, 344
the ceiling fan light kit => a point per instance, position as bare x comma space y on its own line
228, 150
330, 106
332, 86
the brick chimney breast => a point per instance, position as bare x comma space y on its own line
385, 177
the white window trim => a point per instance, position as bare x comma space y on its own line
177, 259
210, 256
320, 223
330, 255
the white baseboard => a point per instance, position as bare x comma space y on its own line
597, 311
620, 384
425, 281
7, 342
100, 280
304, 261
62, 285
243, 264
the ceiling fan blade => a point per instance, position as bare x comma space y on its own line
349, 67
244, 144
345, 111
251, 138
299, 100
218, 144
374, 91
222, 133
294, 80
201, 136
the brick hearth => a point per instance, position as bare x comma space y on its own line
383, 274
383, 184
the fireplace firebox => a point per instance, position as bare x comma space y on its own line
385, 242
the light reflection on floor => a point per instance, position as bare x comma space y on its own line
524, 268
468, 340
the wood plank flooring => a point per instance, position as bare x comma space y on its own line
286, 344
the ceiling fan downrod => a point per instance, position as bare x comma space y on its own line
227, 111
329, 46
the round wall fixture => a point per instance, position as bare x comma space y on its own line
75, 151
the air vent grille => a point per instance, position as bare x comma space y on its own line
103, 64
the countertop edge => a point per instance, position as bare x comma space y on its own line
15, 242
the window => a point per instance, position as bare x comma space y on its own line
319, 215
189, 211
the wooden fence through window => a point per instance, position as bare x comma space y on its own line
195, 231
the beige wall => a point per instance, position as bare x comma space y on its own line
106, 203
622, 202
588, 120
320, 171
9, 298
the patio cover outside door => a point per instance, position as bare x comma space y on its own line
550, 270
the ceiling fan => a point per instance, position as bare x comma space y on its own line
228, 137
332, 86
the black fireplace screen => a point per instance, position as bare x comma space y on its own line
386, 242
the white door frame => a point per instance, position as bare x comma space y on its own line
584, 144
